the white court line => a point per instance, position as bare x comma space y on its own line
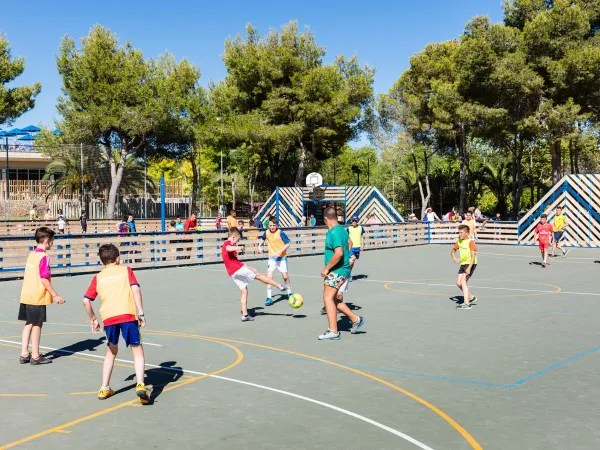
413, 283
150, 343
260, 386
536, 254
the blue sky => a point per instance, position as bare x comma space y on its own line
383, 34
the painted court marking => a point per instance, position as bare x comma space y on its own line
211, 375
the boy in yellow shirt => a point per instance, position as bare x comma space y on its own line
468, 263
558, 226
121, 299
36, 293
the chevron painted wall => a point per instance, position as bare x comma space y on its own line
579, 195
288, 203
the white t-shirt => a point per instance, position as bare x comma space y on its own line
430, 216
477, 213
61, 223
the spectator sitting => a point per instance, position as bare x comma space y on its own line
179, 224
191, 223
412, 217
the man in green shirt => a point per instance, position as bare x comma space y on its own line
336, 274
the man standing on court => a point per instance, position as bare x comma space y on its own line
559, 223
336, 274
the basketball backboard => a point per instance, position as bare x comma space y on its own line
314, 179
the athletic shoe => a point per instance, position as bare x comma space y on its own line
103, 394
323, 311
329, 336
247, 318
544, 264
25, 359
282, 287
268, 301
357, 325
142, 393
473, 300
463, 306
566, 253
41, 360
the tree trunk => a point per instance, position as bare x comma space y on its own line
195, 182
301, 165
531, 180
425, 198
517, 178
555, 153
464, 164
116, 175
233, 193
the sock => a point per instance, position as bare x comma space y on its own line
105, 388
289, 288
269, 291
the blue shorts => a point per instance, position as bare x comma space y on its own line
129, 330
355, 252
558, 235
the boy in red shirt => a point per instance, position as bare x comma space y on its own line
122, 313
543, 236
240, 273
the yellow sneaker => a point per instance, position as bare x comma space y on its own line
103, 394
142, 393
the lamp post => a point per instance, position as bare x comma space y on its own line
7, 180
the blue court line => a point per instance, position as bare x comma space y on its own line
378, 369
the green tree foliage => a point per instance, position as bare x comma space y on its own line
14, 101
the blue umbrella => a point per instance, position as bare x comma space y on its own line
27, 137
14, 132
57, 132
31, 129
2, 133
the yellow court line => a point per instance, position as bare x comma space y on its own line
23, 395
61, 428
83, 393
464, 433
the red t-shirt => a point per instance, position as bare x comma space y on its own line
190, 224
544, 232
91, 294
232, 264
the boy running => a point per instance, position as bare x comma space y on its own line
36, 293
336, 273
559, 223
277, 244
240, 273
543, 236
468, 263
356, 233
122, 313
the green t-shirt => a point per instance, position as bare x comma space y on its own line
338, 237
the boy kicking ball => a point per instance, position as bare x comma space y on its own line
544, 233
121, 297
240, 273
468, 263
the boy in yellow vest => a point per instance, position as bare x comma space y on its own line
36, 293
356, 233
558, 224
121, 299
468, 263
277, 243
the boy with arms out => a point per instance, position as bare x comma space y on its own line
36, 293
240, 273
336, 273
277, 244
468, 264
559, 223
544, 233
122, 313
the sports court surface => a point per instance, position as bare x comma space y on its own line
517, 371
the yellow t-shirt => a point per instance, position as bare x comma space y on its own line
355, 233
559, 222
464, 246
114, 288
471, 224
232, 222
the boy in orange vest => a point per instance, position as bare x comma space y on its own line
121, 298
36, 293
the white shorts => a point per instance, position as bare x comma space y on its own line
243, 276
280, 264
344, 287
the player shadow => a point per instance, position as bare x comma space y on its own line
157, 379
89, 345
279, 298
359, 277
535, 263
353, 307
258, 311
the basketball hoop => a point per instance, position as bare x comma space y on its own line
313, 180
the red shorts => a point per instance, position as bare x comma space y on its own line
544, 244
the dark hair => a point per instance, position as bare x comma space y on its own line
124, 219
464, 227
558, 207
108, 254
545, 216
172, 223
330, 213
234, 232
42, 233
273, 219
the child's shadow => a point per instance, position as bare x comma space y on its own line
157, 378
257, 311
89, 345
535, 263
359, 277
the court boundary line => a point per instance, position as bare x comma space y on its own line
201, 375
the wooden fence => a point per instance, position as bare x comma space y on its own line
490, 233
79, 254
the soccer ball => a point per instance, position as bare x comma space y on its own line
295, 300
